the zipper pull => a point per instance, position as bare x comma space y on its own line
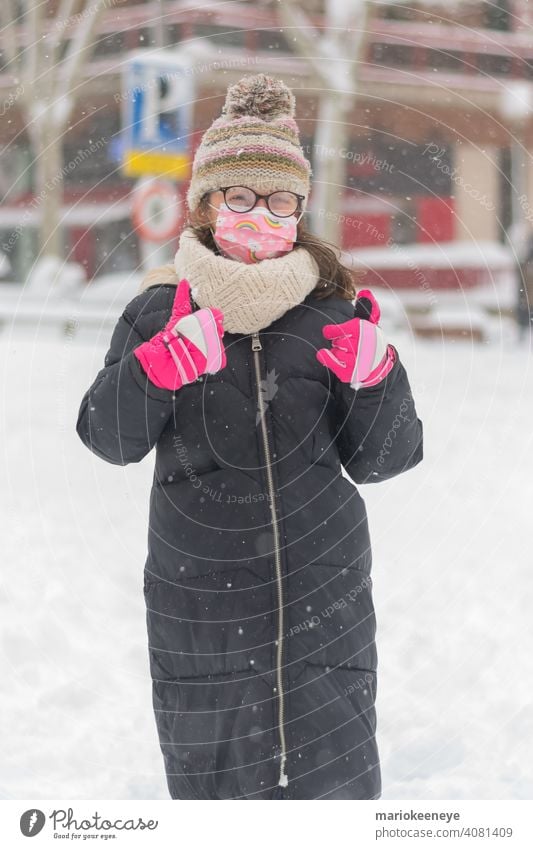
256, 344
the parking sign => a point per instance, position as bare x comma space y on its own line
157, 100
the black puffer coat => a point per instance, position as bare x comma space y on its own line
257, 582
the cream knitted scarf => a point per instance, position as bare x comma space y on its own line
250, 296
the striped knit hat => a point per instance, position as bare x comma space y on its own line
254, 143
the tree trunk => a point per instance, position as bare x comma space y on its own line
49, 190
329, 176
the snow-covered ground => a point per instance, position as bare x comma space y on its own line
453, 574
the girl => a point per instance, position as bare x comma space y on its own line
248, 367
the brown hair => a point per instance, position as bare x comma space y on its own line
334, 278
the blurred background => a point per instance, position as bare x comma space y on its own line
417, 118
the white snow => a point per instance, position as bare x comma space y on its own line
453, 583
76, 214
51, 277
457, 254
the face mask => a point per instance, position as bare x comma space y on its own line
252, 236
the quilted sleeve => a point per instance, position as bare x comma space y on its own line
122, 414
378, 432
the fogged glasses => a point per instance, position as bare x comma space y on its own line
242, 199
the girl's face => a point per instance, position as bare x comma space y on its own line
208, 211
244, 226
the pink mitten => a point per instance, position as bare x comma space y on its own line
359, 354
189, 345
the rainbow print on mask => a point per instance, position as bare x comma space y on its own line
247, 225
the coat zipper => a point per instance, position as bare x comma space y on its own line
283, 779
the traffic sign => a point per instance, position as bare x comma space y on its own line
157, 210
157, 97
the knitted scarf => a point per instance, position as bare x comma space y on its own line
251, 297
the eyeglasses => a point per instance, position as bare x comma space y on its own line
242, 199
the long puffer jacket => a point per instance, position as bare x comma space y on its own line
257, 582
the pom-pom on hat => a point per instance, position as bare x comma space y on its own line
255, 142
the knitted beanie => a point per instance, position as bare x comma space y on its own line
255, 143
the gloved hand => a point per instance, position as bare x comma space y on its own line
359, 354
189, 345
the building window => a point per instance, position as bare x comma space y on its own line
174, 34
109, 45
528, 68
273, 41
494, 66
497, 15
398, 169
445, 60
145, 37
222, 36
397, 12
395, 55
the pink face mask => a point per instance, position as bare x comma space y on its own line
252, 236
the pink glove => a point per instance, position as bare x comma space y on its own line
189, 345
359, 354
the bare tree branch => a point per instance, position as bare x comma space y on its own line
333, 55
306, 37
50, 89
8, 24
33, 18
64, 13
349, 19
70, 69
